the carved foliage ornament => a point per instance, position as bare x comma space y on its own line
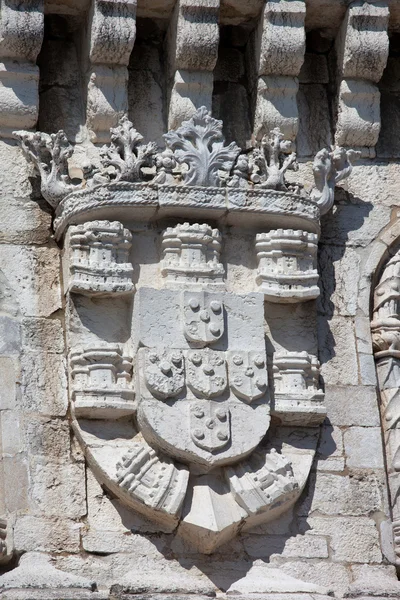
196, 155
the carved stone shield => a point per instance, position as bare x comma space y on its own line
206, 372
164, 371
210, 426
203, 317
247, 374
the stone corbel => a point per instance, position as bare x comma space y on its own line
192, 43
21, 36
362, 51
112, 26
279, 45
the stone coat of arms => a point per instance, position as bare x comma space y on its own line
185, 409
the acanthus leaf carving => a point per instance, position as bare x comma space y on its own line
126, 153
200, 144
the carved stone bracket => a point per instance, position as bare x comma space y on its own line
287, 265
192, 43
21, 36
112, 27
279, 52
362, 48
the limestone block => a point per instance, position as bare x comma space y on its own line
355, 225
299, 546
43, 384
339, 365
47, 438
11, 434
40, 334
37, 289
367, 369
145, 92
38, 534
9, 377
281, 26
230, 65
314, 121
10, 336
352, 539
57, 489
64, 109
112, 31
357, 406
189, 91
107, 100
330, 442
276, 106
359, 114
36, 572
287, 324
330, 575
314, 69
196, 33
271, 582
16, 483
331, 494
19, 98
363, 43
340, 274
231, 103
363, 447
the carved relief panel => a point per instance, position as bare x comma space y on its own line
180, 412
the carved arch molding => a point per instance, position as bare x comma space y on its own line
385, 327
179, 410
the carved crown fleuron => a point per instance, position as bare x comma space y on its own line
196, 155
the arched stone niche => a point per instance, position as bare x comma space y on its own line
385, 332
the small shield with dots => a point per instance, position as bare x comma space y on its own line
164, 371
203, 317
210, 425
247, 374
206, 372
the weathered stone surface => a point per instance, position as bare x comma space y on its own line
363, 447
355, 406
352, 539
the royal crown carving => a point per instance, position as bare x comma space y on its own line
179, 410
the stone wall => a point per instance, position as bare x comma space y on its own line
324, 72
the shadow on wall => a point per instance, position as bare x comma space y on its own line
348, 215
